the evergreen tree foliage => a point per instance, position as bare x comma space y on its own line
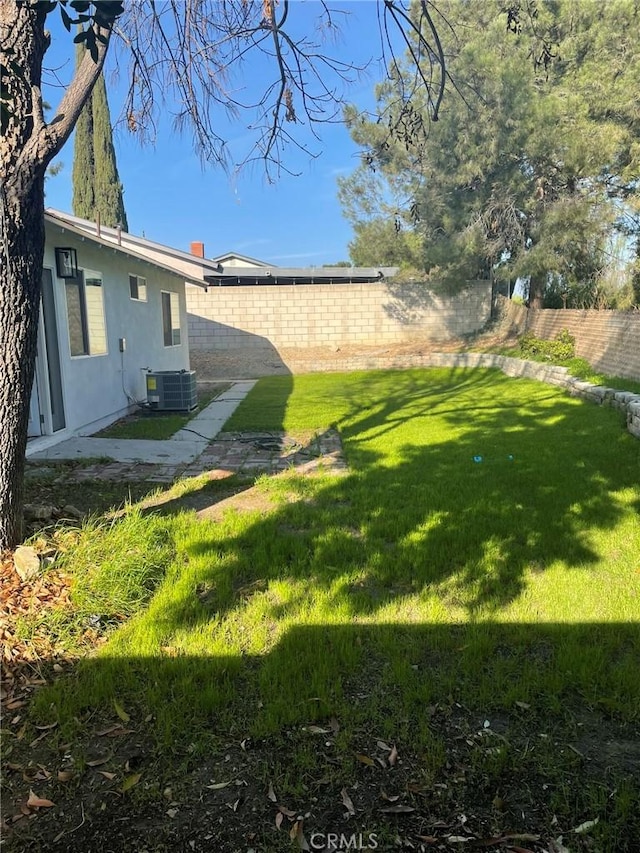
533, 161
108, 195
97, 190
83, 201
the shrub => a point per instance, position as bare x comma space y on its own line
539, 349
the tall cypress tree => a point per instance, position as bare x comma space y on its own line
107, 189
83, 196
96, 183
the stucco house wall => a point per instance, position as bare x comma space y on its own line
97, 389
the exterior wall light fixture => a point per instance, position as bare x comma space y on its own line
66, 263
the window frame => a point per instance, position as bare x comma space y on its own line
169, 330
138, 285
91, 344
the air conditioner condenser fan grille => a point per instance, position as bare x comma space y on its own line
172, 390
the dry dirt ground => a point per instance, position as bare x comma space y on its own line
255, 362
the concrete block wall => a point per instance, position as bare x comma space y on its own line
609, 340
510, 317
227, 318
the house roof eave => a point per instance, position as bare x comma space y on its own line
62, 224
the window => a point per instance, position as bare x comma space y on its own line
85, 313
170, 319
138, 288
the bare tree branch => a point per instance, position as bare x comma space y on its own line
59, 128
189, 53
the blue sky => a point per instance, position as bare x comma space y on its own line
172, 199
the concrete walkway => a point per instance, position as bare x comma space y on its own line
182, 448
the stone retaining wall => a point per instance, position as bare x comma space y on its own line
624, 401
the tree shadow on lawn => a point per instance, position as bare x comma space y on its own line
520, 728
506, 492
430, 528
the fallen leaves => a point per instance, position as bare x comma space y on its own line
283, 810
35, 802
37, 773
316, 730
114, 731
23, 595
121, 712
347, 802
20, 657
296, 834
130, 782
397, 808
218, 786
586, 826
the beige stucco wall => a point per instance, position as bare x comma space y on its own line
330, 315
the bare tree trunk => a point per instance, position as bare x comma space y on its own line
537, 287
20, 282
22, 234
27, 145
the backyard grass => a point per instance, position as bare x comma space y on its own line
467, 595
150, 424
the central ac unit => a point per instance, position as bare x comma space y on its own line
172, 390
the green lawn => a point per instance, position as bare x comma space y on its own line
476, 573
158, 425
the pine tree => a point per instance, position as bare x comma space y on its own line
97, 190
519, 172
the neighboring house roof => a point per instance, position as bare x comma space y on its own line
64, 222
193, 269
234, 259
228, 269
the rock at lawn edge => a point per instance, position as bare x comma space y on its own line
70, 511
26, 562
37, 512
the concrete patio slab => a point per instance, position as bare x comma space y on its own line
181, 449
167, 452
